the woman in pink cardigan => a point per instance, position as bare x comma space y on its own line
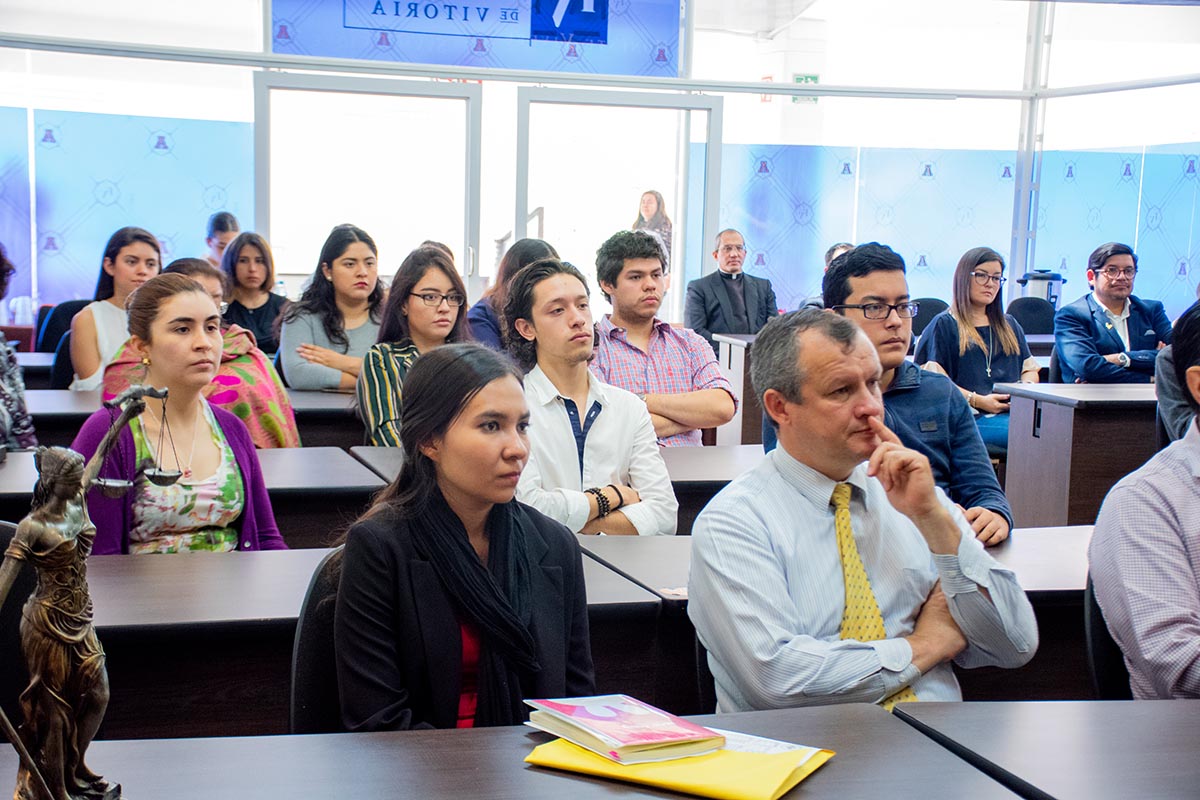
219, 502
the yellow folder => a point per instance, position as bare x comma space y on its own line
724, 775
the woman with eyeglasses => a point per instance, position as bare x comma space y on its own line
977, 345
424, 309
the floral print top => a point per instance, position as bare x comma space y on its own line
191, 514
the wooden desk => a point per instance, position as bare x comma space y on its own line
734, 358
327, 419
35, 367
1050, 563
200, 644
873, 750
697, 473
383, 461
316, 492
1099, 749
659, 564
59, 413
1040, 344
1069, 443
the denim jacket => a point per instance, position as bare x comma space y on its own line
929, 415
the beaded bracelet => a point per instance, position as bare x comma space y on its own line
601, 501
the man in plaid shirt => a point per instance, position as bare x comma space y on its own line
672, 370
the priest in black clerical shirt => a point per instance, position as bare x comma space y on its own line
729, 300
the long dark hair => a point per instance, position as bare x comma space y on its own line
522, 253
116, 243
6, 270
438, 386
233, 252
319, 298
393, 327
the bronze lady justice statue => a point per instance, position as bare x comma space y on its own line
68, 687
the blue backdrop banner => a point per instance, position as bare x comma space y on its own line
100, 172
14, 200
613, 37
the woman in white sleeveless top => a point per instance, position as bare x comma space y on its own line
131, 258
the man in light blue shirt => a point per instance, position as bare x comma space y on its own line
767, 592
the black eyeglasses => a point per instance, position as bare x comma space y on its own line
433, 299
983, 279
884, 310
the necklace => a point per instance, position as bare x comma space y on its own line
163, 428
989, 353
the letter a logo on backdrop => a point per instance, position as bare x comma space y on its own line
569, 21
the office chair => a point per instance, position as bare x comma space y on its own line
315, 706
1106, 664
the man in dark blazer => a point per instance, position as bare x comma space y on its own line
729, 300
1110, 336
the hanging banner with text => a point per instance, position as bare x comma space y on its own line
611, 37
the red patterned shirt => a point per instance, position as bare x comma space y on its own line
679, 360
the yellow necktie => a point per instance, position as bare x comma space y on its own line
861, 619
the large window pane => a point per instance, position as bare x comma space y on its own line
393, 165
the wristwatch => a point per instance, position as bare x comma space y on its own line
1123, 358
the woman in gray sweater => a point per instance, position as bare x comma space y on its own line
326, 333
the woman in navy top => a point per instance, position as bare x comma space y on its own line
482, 317
977, 345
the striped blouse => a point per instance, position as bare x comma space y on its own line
380, 399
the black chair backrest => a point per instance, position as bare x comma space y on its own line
1106, 664
58, 322
14, 675
707, 694
1055, 367
277, 361
1162, 437
62, 371
1035, 314
930, 308
43, 311
315, 704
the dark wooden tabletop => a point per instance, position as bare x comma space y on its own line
317, 403
383, 461
315, 470
711, 465
293, 470
36, 362
61, 403
874, 750
1047, 560
686, 465
659, 564
1084, 395
197, 589
186, 589
1097, 749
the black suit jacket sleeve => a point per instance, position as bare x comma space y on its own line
694, 315
369, 633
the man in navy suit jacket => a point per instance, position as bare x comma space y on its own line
1110, 336
729, 300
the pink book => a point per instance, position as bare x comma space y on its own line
622, 728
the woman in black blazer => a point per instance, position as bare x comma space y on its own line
456, 602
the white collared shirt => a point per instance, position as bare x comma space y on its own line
621, 448
766, 593
1118, 322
